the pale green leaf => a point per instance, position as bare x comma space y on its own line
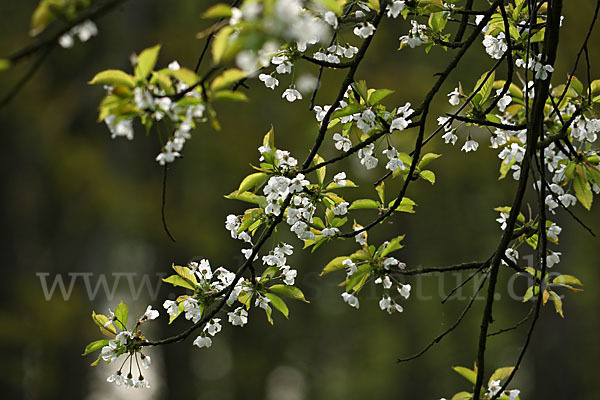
289, 291
278, 303
146, 62
113, 77
96, 345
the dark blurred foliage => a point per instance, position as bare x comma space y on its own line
76, 201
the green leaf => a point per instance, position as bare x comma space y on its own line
594, 87
4, 64
269, 138
576, 85
146, 62
333, 185
363, 203
186, 76
350, 109
393, 246
220, 42
163, 80
113, 77
96, 345
377, 95
583, 191
483, 94
381, 191
332, 5
406, 205
218, 11
278, 303
121, 315
247, 197
567, 280
501, 374
468, 374
41, 17
557, 303
186, 274
251, 181
462, 396
289, 291
337, 263
100, 320
427, 158
245, 298
374, 5
227, 78
176, 280
358, 279
180, 308
505, 168
361, 88
437, 22
428, 175
229, 95
268, 312
321, 171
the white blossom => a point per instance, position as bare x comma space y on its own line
203, 341
269, 81
470, 145
351, 300
291, 95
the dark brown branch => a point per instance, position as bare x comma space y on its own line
466, 12
27, 77
506, 127
438, 338
534, 133
515, 326
91, 13
457, 267
327, 63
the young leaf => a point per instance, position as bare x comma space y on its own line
427, 158
4, 64
96, 345
227, 78
101, 320
350, 109
288, 291
321, 171
583, 191
393, 246
146, 62
483, 94
121, 315
462, 396
381, 191
113, 77
186, 274
501, 374
176, 280
428, 175
468, 374
220, 42
229, 95
557, 303
218, 11
377, 95
567, 280
278, 303
363, 203
251, 181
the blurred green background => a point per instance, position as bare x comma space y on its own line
75, 201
